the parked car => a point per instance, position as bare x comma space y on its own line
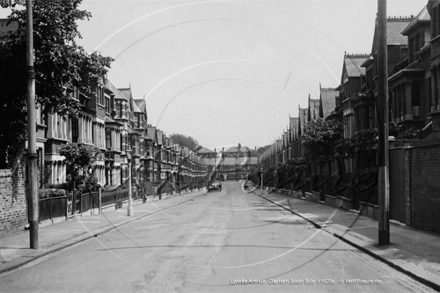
216, 186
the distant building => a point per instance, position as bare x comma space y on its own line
232, 163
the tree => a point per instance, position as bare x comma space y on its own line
80, 159
185, 141
268, 177
292, 170
60, 65
344, 149
363, 141
321, 139
261, 150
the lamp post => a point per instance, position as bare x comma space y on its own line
31, 125
130, 198
32, 149
383, 147
260, 162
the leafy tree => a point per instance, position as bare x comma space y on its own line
261, 150
344, 149
80, 159
268, 176
255, 175
321, 139
292, 170
185, 141
363, 141
60, 65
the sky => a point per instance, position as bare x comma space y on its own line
232, 71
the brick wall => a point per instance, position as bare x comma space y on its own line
424, 188
13, 206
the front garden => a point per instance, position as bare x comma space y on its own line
322, 170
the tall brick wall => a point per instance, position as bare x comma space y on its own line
424, 188
13, 206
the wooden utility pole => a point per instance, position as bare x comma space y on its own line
32, 131
383, 150
129, 152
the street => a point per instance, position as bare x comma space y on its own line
227, 241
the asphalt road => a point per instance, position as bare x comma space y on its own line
228, 241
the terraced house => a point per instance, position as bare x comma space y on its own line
117, 124
413, 46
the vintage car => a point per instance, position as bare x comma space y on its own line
216, 186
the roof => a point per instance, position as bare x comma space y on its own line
132, 131
352, 64
151, 133
395, 27
141, 104
423, 16
235, 149
116, 92
314, 108
413, 68
303, 113
367, 62
159, 137
328, 98
135, 107
126, 92
109, 120
294, 122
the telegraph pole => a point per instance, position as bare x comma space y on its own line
31, 121
383, 151
129, 152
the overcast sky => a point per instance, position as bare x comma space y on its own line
229, 72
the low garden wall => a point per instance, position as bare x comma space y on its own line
365, 208
13, 205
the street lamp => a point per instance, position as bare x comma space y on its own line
31, 125
129, 151
260, 162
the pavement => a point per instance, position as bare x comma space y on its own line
15, 251
413, 252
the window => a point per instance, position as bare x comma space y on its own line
107, 104
112, 103
118, 110
75, 129
100, 95
108, 139
94, 126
